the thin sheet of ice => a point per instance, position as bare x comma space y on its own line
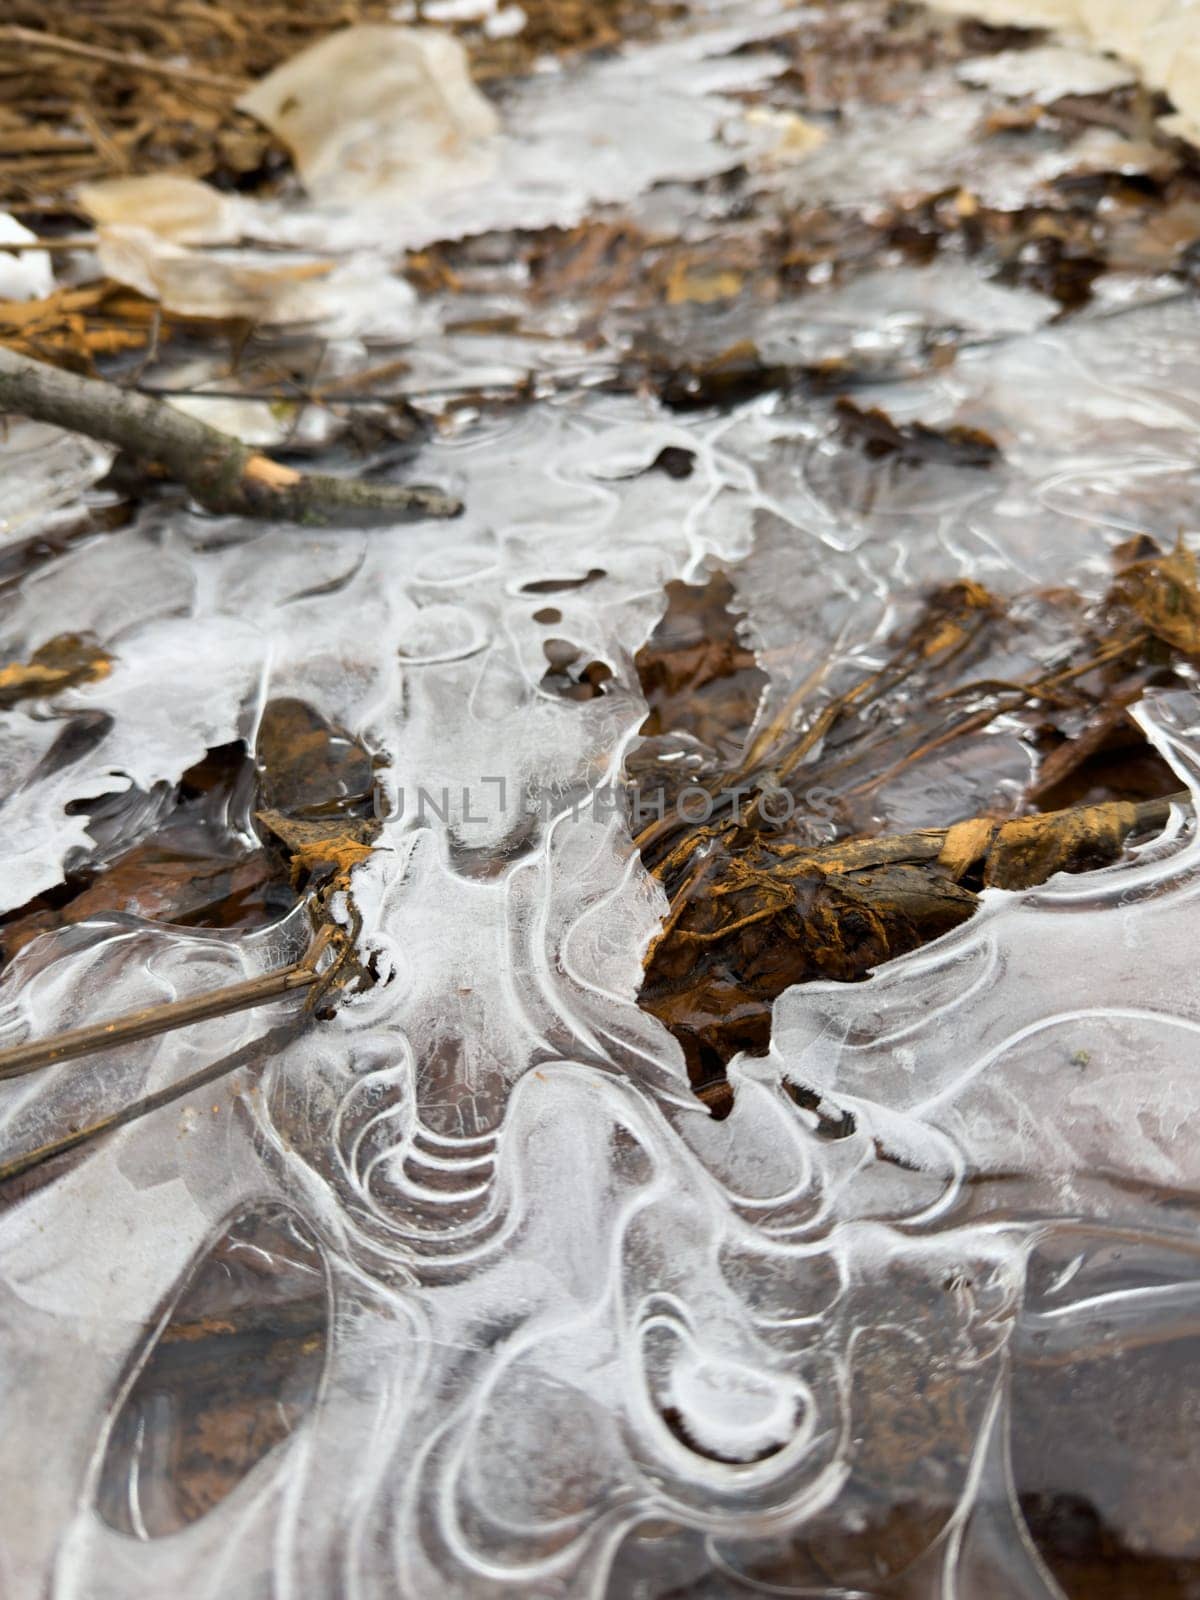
586, 1341
642, 1261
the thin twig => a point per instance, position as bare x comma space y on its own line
82, 241
136, 1109
21, 1059
35, 39
220, 472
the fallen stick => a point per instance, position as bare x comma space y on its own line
220, 472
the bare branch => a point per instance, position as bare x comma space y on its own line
220, 472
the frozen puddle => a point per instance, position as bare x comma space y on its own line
462, 1291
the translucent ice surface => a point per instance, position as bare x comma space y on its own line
496, 1308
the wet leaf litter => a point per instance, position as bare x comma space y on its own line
769, 801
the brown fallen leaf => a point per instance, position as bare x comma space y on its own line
192, 868
167, 204
763, 915
1163, 592
315, 790
698, 676
914, 442
229, 1373
307, 765
755, 907
198, 284
153, 882
61, 663
314, 846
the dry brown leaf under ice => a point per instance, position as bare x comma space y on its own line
1163, 591
61, 663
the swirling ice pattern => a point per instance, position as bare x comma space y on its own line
587, 1341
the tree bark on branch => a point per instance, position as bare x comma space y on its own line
220, 472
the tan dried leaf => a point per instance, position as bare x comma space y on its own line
377, 108
171, 206
61, 663
337, 842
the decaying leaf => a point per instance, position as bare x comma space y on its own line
317, 845
191, 868
61, 663
1163, 591
229, 1373
915, 442
699, 677
765, 915
310, 786
307, 766
316, 791
756, 906
377, 109
194, 284
167, 204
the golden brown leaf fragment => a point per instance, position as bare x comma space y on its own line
316, 791
61, 663
1163, 592
314, 846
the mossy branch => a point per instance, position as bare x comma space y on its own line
220, 472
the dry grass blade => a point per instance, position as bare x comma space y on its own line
127, 60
